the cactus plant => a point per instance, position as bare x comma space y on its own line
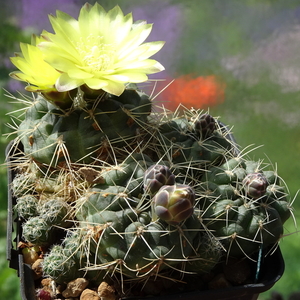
112, 190
26, 206
239, 209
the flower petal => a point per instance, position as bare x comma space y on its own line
128, 76
114, 88
135, 38
95, 83
34, 70
143, 52
102, 49
76, 73
65, 83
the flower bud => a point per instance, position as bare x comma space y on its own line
157, 176
205, 125
255, 185
174, 203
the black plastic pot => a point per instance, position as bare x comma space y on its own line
270, 268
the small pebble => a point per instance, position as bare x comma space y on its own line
106, 291
75, 288
88, 294
37, 268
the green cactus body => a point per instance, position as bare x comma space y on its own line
128, 239
50, 216
104, 197
27, 206
56, 212
188, 146
37, 231
283, 208
240, 208
208, 255
77, 247
22, 184
50, 133
228, 172
60, 267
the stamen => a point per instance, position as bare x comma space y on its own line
95, 54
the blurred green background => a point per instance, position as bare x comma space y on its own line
251, 46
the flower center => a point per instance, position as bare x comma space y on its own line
95, 54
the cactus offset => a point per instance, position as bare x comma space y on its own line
60, 266
26, 206
240, 209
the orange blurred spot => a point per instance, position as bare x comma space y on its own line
199, 92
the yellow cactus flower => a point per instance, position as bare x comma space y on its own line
34, 70
102, 50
